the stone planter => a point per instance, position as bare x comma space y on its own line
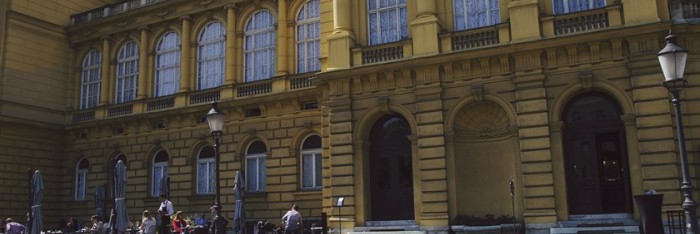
495, 229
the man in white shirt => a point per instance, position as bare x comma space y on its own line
291, 220
165, 210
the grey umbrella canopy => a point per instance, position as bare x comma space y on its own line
38, 218
239, 210
122, 219
99, 200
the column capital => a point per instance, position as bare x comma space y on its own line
185, 18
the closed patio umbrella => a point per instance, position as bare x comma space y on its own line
239, 210
122, 219
38, 218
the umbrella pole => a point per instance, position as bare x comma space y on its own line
30, 216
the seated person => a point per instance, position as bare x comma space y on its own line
148, 223
97, 226
12, 227
201, 220
179, 223
72, 225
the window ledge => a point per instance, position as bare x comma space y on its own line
201, 197
308, 194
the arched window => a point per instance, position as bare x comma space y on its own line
206, 170
255, 166
81, 171
309, 37
167, 77
387, 21
569, 6
311, 162
470, 14
259, 47
210, 59
127, 72
90, 79
160, 172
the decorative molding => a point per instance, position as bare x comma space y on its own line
383, 103
572, 51
551, 57
478, 92
485, 65
586, 78
594, 48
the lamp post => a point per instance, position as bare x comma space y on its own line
672, 59
216, 126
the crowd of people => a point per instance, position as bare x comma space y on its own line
148, 224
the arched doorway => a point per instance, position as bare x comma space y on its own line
391, 177
595, 156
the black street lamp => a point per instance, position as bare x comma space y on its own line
672, 59
216, 126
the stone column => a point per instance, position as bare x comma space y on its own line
106, 74
282, 31
143, 64
185, 78
341, 39
230, 44
425, 29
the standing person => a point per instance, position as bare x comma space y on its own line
148, 223
179, 223
165, 210
291, 220
12, 227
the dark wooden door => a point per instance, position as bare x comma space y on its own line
391, 177
595, 156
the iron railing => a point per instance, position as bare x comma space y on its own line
254, 88
111, 9
475, 38
581, 21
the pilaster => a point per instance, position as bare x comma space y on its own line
106, 72
524, 20
533, 130
282, 31
425, 29
341, 40
230, 44
143, 64
185, 78
640, 12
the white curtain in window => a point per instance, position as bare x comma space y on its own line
80, 184
470, 14
309, 37
90, 80
206, 172
311, 169
255, 172
259, 47
167, 65
160, 170
569, 6
387, 21
127, 72
210, 59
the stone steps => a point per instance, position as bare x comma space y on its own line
599, 224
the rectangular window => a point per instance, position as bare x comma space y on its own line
80, 181
311, 170
470, 14
255, 173
387, 21
159, 171
570, 6
206, 172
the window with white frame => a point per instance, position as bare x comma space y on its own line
206, 170
311, 162
167, 77
211, 56
309, 37
90, 79
127, 72
387, 21
81, 171
160, 172
569, 6
470, 14
259, 42
255, 166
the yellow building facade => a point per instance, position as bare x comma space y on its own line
415, 112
